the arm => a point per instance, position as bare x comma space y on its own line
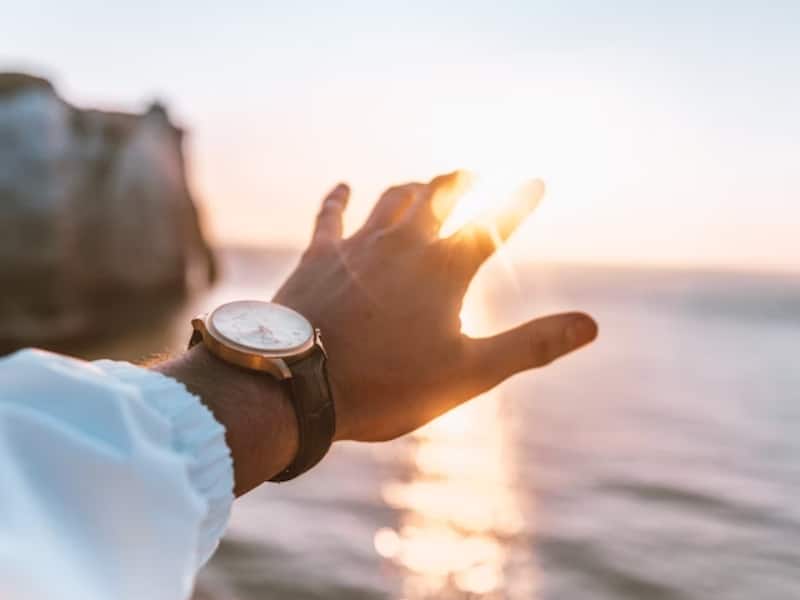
260, 425
387, 300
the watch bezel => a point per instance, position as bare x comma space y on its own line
274, 362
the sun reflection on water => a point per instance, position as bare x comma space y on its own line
460, 520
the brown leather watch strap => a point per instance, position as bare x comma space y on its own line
313, 403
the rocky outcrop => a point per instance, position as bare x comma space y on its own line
96, 218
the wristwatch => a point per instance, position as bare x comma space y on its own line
279, 342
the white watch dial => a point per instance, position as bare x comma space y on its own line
261, 326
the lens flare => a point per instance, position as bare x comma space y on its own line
493, 204
482, 193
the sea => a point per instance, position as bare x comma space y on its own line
660, 463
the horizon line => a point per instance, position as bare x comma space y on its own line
720, 268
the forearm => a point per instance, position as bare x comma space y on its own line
260, 423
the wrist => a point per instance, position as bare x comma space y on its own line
260, 423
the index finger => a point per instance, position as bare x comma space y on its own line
329, 218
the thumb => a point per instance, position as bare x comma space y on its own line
534, 344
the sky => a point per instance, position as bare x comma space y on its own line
667, 132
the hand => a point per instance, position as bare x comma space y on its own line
387, 301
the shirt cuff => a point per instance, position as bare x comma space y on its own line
197, 436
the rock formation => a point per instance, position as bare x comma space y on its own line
96, 218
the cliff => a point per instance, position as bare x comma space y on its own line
97, 223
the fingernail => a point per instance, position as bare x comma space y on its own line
581, 331
338, 194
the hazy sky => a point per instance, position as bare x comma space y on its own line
667, 132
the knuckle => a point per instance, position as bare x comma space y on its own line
317, 249
328, 209
395, 190
461, 264
482, 243
448, 264
474, 241
454, 254
416, 236
387, 241
399, 191
443, 251
310, 253
399, 235
543, 351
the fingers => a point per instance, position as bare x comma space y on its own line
436, 202
418, 206
329, 219
392, 204
494, 227
534, 344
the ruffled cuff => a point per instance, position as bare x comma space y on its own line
197, 436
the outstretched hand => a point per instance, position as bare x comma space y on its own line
388, 299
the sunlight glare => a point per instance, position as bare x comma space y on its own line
461, 519
491, 202
489, 191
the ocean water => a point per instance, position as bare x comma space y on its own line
663, 462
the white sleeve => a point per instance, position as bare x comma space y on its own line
115, 482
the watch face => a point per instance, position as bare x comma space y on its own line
261, 326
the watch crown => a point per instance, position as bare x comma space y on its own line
318, 341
